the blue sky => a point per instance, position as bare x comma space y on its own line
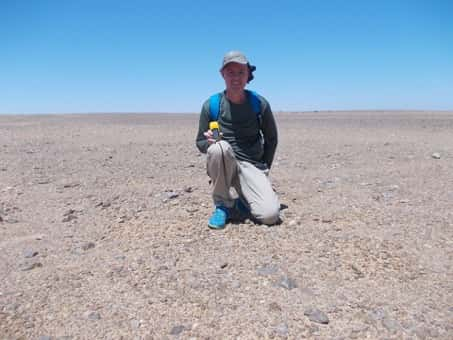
163, 56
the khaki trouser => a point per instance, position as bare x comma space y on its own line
251, 183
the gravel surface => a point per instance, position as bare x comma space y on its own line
103, 231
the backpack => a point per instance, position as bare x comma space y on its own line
214, 105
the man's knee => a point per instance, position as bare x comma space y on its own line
218, 149
268, 214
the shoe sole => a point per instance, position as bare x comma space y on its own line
216, 227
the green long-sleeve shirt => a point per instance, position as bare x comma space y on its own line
251, 140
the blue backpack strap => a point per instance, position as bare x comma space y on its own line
256, 103
214, 106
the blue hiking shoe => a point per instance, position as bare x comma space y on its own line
219, 218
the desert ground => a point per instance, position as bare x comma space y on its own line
103, 231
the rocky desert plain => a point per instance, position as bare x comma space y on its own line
103, 231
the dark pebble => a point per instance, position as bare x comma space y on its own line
30, 266
88, 245
69, 212
30, 253
69, 218
275, 307
317, 316
287, 283
172, 195
104, 204
177, 330
92, 315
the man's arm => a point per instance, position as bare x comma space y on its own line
203, 126
269, 129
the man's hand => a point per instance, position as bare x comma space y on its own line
210, 137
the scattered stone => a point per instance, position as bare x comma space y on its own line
292, 223
267, 269
287, 283
172, 195
29, 253
88, 245
436, 155
224, 265
317, 316
236, 285
275, 307
390, 324
92, 315
188, 189
326, 220
11, 308
29, 324
103, 204
30, 266
135, 324
282, 330
450, 309
1, 218
43, 181
176, 330
71, 185
45, 337
69, 218
358, 273
69, 212
378, 314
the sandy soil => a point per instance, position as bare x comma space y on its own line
103, 231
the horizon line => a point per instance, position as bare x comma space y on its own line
191, 112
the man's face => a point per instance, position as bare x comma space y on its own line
236, 76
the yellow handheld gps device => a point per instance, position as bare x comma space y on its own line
214, 127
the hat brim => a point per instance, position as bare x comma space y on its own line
235, 60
